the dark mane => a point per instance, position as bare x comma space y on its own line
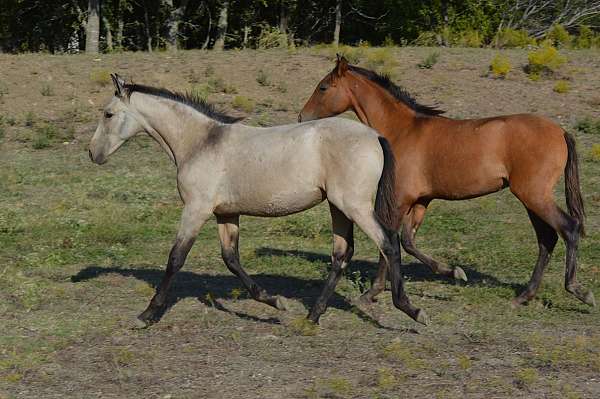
397, 92
190, 99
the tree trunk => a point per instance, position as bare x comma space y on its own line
109, 38
120, 26
445, 22
222, 26
175, 17
338, 23
92, 27
207, 40
147, 29
246, 33
283, 17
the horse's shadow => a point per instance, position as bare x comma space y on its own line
210, 289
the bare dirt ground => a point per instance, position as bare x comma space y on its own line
82, 247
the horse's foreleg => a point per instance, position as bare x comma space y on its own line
191, 221
410, 225
343, 248
229, 235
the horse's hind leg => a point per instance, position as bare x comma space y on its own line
547, 238
229, 236
390, 249
343, 248
568, 228
410, 225
191, 221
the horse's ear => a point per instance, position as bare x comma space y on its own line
119, 83
342, 65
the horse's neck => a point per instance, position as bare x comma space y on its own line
380, 110
176, 127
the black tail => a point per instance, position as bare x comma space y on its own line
386, 209
572, 189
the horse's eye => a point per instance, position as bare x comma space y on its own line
323, 87
107, 115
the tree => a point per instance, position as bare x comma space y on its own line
92, 27
338, 22
222, 26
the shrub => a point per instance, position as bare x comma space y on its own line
562, 86
101, 77
500, 66
44, 136
559, 36
352, 54
282, 87
381, 59
388, 41
586, 37
595, 152
509, 38
271, 37
244, 103
588, 126
262, 78
200, 92
469, 38
218, 85
526, 377
545, 60
427, 39
29, 119
429, 61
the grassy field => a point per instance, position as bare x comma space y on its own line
82, 247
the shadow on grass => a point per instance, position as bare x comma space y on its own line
209, 289
414, 271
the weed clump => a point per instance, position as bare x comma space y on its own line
500, 66
303, 326
562, 86
381, 60
595, 152
243, 103
510, 38
559, 36
544, 61
101, 77
272, 37
429, 61
47, 90
588, 126
262, 78
526, 377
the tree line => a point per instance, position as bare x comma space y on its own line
147, 25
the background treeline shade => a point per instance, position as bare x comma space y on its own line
115, 25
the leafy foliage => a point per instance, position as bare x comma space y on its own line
545, 60
500, 66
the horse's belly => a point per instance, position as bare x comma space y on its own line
272, 204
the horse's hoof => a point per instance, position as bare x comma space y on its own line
589, 299
422, 317
280, 303
459, 274
139, 324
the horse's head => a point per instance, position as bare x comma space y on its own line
332, 95
117, 124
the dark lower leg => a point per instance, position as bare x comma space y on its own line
571, 237
547, 238
409, 230
378, 283
399, 297
231, 259
334, 277
157, 303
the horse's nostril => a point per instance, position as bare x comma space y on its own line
90, 154
299, 117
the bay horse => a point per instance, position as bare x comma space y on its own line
227, 170
451, 159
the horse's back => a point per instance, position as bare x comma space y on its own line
286, 169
